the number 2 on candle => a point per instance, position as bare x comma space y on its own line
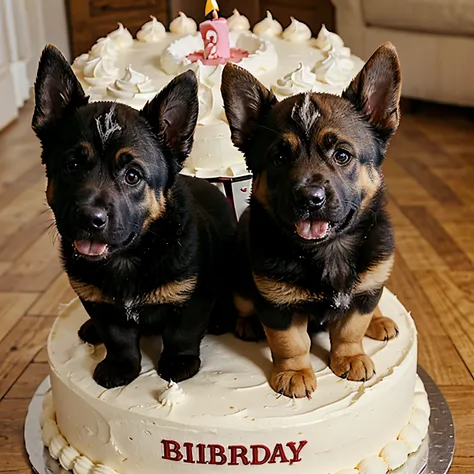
211, 44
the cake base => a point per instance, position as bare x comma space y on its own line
434, 456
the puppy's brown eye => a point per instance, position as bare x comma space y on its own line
132, 177
279, 160
70, 166
342, 157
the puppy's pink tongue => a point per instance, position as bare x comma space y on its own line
91, 248
311, 230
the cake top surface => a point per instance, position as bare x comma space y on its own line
233, 379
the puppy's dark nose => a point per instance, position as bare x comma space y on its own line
92, 218
315, 196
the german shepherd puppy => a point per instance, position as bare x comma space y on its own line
316, 241
143, 247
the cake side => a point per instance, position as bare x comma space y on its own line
229, 415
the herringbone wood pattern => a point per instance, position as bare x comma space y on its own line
430, 178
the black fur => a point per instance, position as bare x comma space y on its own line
163, 230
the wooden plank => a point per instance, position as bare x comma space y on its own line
433, 339
12, 451
29, 381
12, 307
59, 292
19, 347
456, 312
461, 403
42, 356
432, 231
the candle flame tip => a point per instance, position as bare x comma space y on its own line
211, 5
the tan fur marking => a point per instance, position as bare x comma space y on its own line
374, 278
87, 150
244, 306
156, 207
50, 192
347, 357
176, 292
292, 374
292, 140
88, 292
124, 151
281, 293
260, 190
369, 180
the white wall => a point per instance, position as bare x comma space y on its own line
55, 24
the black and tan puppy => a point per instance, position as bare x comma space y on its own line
316, 243
143, 247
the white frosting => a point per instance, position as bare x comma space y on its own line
229, 402
171, 395
99, 71
132, 85
152, 31
299, 80
328, 41
238, 22
56, 445
335, 70
183, 25
121, 36
68, 457
270, 59
79, 63
268, 27
297, 31
104, 48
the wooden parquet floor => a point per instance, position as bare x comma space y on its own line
430, 178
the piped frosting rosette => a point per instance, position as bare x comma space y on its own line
121, 37
98, 72
238, 22
133, 85
152, 31
183, 25
334, 70
268, 27
297, 32
329, 41
105, 48
302, 79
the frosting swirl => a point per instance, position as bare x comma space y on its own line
171, 394
121, 36
297, 32
104, 48
183, 25
335, 70
238, 22
79, 63
329, 41
152, 31
132, 85
268, 27
302, 79
99, 71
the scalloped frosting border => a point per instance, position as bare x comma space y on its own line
391, 457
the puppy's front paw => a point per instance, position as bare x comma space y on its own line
249, 329
382, 329
294, 383
111, 374
178, 367
358, 367
88, 333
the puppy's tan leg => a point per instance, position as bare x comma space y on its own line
381, 328
347, 358
292, 373
247, 326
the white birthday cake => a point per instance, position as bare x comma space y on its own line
132, 71
227, 417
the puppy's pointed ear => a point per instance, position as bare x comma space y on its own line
57, 90
375, 92
246, 103
173, 114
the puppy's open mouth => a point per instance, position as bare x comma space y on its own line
91, 248
312, 229
96, 250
